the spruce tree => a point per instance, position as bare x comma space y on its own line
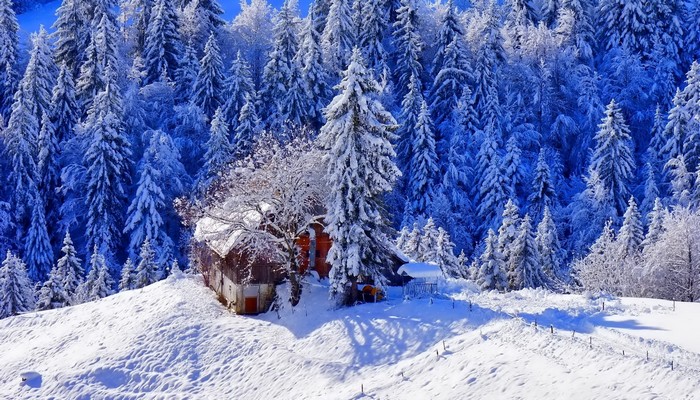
373, 24
491, 180
147, 271
48, 174
38, 79
427, 247
423, 167
338, 36
64, 107
247, 131
527, 271
106, 161
297, 108
186, 75
406, 134
314, 71
631, 233
209, 85
219, 150
444, 255
70, 268
8, 56
281, 65
145, 214
128, 277
357, 135
70, 35
543, 194
239, 84
100, 281
38, 250
492, 272
52, 295
99, 54
513, 168
21, 136
549, 247
16, 293
447, 86
162, 47
656, 224
651, 190
507, 233
408, 47
613, 158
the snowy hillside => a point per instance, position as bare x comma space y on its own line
173, 340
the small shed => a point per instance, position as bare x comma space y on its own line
420, 278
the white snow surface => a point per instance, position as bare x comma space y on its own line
173, 340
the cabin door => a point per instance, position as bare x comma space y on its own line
251, 305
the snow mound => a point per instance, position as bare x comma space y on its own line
174, 340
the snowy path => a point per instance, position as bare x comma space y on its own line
173, 340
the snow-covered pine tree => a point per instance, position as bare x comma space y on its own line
162, 47
613, 158
52, 295
656, 224
446, 90
681, 181
402, 238
209, 85
445, 256
64, 107
631, 233
357, 135
145, 214
9, 41
48, 175
128, 277
37, 249
676, 129
70, 269
651, 190
622, 25
492, 269
106, 163
411, 247
513, 168
147, 271
175, 269
406, 134
219, 150
102, 282
549, 248
373, 25
21, 136
247, 131
408, 47
507, 233
296, 109
99, 54
16, 293
39, 76
526, 269
70, 36
491, 180
239, 84
281, 64
423, 168
313, 70
691, 43
338, 36
691, 93
427, 248
186, 75
543, 194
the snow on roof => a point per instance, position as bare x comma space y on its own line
420, 270
221, 227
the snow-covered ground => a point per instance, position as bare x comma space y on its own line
174, 340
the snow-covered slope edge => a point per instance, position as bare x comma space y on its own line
173, 340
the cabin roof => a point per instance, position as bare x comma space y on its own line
221, 227
420, 270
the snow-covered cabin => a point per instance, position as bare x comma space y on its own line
244, 284
420, 278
